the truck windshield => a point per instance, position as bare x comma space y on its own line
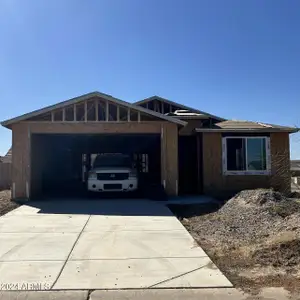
112, 161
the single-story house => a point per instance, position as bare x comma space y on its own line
186, 150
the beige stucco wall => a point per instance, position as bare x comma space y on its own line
24, 183
215, 183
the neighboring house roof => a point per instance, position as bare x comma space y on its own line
247, 126
178, 105
295, 165
7, 158
75, 100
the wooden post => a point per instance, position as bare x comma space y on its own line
97, 110
85, 111
128, 115
169, 158
21, 161
118, 113
64, 114
106, 111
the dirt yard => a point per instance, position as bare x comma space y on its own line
6, 204
254, 238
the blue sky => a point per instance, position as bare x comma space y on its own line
236, 59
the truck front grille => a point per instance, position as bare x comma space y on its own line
112, 176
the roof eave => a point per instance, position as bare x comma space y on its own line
247, 130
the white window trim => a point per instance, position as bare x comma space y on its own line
246, 172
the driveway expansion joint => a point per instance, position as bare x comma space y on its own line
63, 266
175, 277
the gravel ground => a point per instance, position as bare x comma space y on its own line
254, 238
6, 204
251, 215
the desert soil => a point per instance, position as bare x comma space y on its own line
254, 238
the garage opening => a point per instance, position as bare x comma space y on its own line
62, 164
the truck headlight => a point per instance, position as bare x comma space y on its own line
92, 175
132, 175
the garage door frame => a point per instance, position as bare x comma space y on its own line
21, 162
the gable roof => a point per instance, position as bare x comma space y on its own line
8, 123
247, 126
179, 105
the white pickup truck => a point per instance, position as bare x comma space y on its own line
112, 173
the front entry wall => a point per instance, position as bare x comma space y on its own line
23, 182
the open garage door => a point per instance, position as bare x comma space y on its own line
61, 162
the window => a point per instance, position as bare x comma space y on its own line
246, 156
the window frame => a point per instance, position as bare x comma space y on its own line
246, 172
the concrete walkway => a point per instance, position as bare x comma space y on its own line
100, 245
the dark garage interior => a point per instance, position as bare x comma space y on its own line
189, 165
61, 161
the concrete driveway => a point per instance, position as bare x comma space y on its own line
112, 244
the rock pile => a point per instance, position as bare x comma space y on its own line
250, 215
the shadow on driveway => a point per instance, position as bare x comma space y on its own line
103, 207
